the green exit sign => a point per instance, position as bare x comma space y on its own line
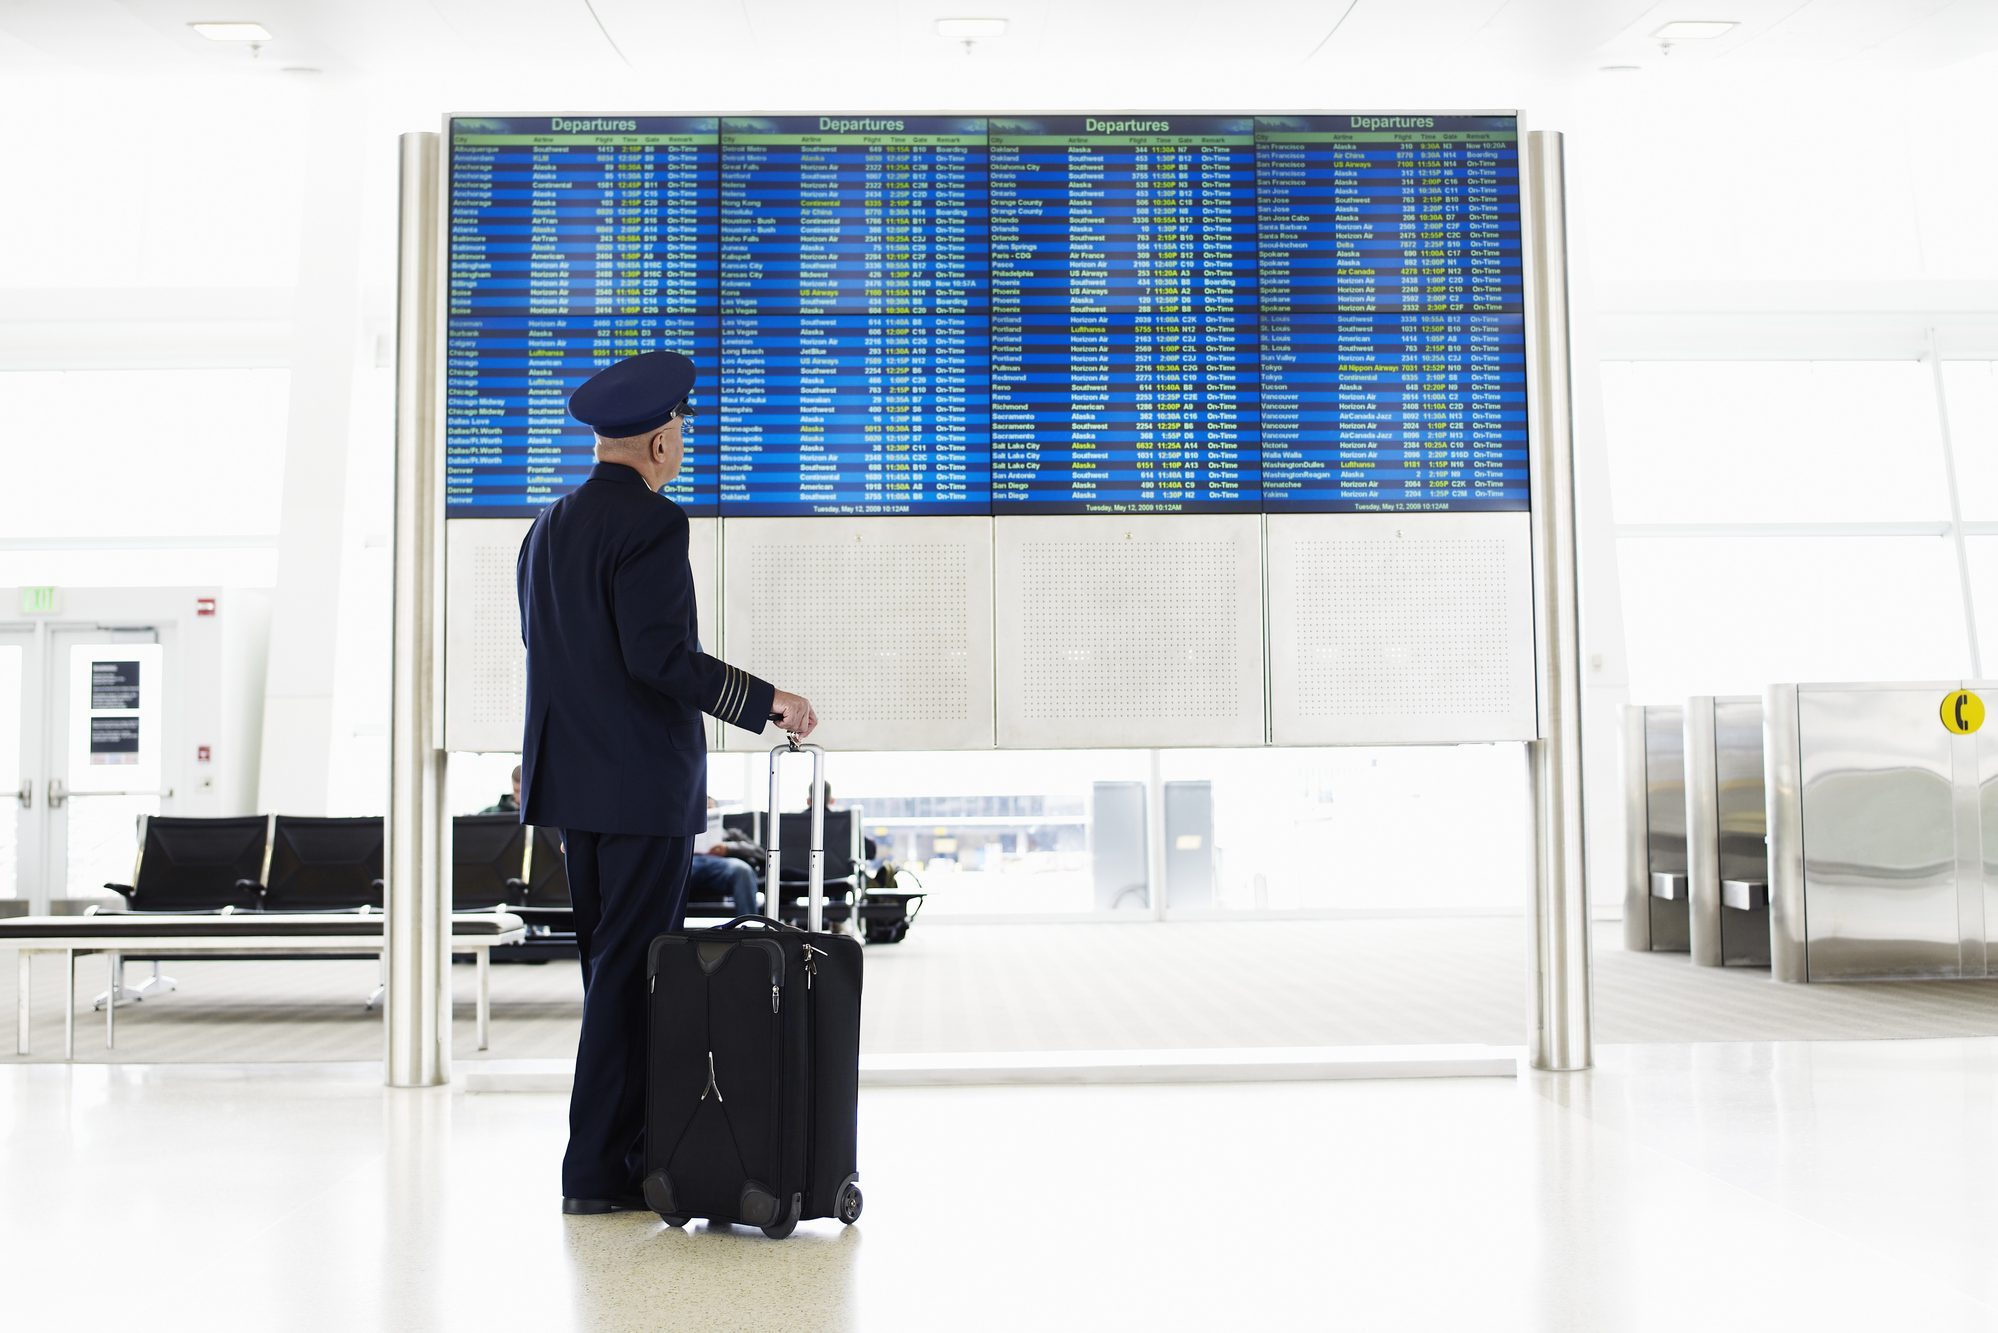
38, 601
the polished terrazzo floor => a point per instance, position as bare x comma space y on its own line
1067, 987
1755, 1186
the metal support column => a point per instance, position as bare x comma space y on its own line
1703, 841
417, 1012
1561, 1038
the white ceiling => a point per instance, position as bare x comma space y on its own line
708, 43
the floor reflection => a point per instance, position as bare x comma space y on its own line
630, 1270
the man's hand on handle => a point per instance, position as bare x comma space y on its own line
793, 712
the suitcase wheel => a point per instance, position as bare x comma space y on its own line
790, 1223
658, 1190
849, 1203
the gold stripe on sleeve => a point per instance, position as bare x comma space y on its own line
732, 696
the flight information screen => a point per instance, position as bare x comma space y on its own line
854, 331
908, 315
1393, 333
573, 242
1124, 315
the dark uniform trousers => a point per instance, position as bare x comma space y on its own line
627, 888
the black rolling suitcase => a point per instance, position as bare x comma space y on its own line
754, 1083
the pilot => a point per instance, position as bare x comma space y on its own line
615, 749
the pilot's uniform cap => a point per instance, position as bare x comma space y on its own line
635, 395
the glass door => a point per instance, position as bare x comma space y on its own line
19, 765
105, 748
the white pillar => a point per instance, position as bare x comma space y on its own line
326, 346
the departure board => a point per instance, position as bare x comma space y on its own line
1393, 327
1124, 315
854, 331
920, 315
573, 242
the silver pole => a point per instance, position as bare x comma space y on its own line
1703, 875
417, 1012
815, 855
1155, 838
1561, 1037
773, 844
1782, 794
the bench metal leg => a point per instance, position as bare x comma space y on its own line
24, 1001
69, 1005
126, 994
117, 965
155, 982
485, 996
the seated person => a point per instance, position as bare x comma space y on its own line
724, 866
867, 848
507, 804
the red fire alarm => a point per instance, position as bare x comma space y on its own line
201, 754
204, 606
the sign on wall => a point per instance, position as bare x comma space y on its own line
114, 717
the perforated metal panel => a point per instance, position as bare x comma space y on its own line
1400, 628
1130, 631
485, 668
884, 623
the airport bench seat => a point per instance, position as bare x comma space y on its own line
232, 934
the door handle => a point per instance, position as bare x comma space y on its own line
26, 796
58, 793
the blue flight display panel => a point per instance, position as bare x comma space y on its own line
945, 315
1393, 330
854, 334
1124, 323
574, 241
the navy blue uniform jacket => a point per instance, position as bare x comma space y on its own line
616, 679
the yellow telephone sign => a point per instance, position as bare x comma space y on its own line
1962, 712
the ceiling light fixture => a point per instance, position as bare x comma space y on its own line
1695, 30
232, 32
970, 30
1619, 69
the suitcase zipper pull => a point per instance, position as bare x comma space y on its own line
811, 968
773, 997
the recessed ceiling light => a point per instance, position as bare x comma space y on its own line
232, 32
1695, 30
1619, 69
966, 30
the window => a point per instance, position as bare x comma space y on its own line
118, 454
1729, 615
1971, 389
1709, 461
158, 183
1774, 442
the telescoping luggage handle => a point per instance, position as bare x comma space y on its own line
815, 902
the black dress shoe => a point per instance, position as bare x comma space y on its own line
623, 1203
